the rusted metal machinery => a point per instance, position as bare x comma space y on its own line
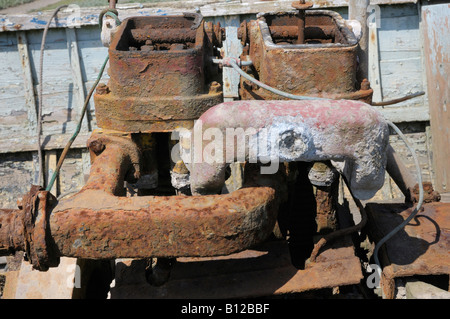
164, 80
323, 66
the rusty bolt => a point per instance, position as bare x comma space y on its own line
215, 87
365, 85
302, 5
102, 88
96, 146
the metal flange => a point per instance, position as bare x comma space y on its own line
37, 205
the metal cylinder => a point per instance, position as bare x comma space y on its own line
11, 231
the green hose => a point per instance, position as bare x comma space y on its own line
83, 111
78, 128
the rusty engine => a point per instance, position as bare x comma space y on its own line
182, 168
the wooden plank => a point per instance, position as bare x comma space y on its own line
11, 77
30, 98
405, 114
374, 60
208, 8
50, 167
233, 49
85, 165
437, 56
400, 57
402, 77
75, 65
50, 142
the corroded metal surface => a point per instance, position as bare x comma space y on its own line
324, 65
351, 134
26, 229
420, 248
326, 188
161, 76
161, 226
11, 233
97, 225
265, 270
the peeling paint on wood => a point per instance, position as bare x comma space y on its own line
208, 8
437, 60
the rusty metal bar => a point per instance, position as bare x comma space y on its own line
97, 225
341, 232
301, 6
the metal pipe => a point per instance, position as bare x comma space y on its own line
357, 10
162, 226
286, 131
96, 223
11, 237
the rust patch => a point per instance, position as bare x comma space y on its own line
163, 226
420, 248
430, 195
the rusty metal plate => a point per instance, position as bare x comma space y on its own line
155, 114
421, 248
265, 270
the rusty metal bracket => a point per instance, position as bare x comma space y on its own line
421, 248
198, 18
26, 229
